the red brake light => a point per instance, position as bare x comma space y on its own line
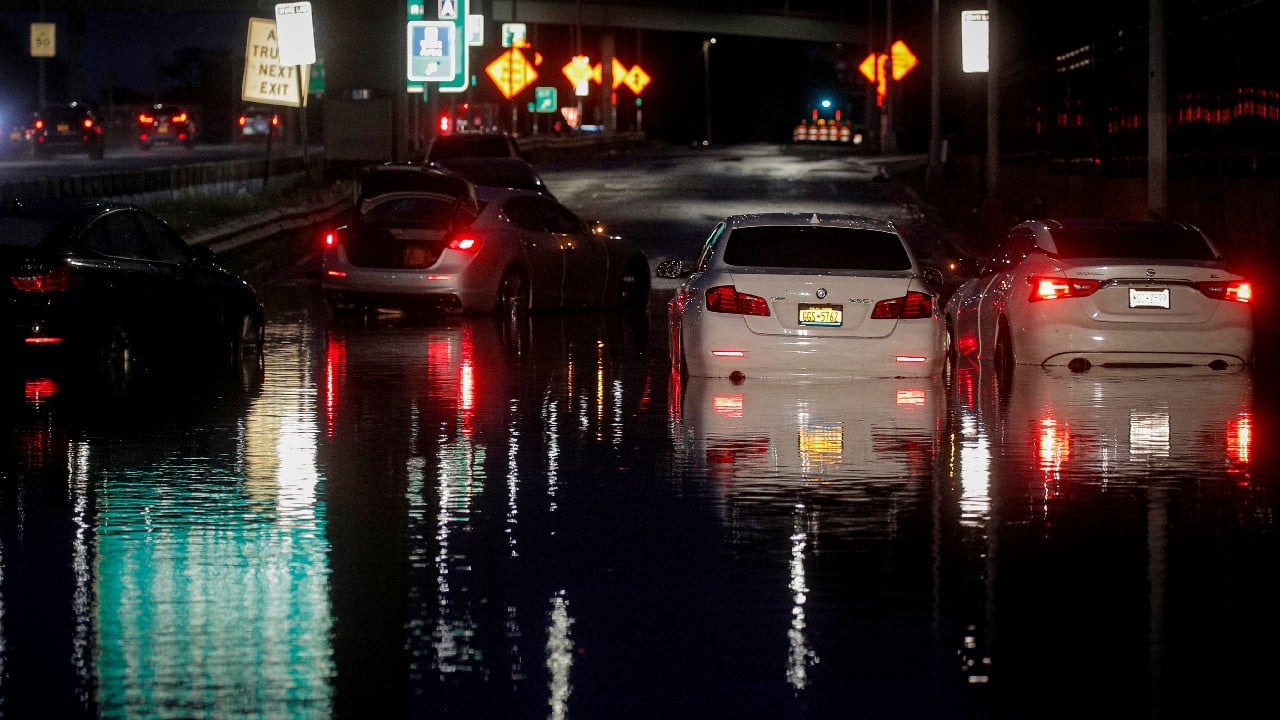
39, 124
1054, 288
146, 119
331, 239
244, 120
58, 279
88, 123
465, 243
912, 306
275, 120
727, 299
180, 118
1236, 291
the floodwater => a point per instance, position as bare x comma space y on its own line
456, 518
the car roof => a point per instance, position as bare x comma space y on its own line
495, 171
410, 177
469, 144
809, 218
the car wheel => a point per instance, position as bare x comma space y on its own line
249, 338
633, 287
953, 355
513, 295
117, 352
1004, 359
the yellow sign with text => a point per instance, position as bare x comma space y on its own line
266, 81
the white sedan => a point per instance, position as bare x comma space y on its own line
427, 238
804, 295
1109, 293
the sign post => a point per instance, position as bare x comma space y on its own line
296, 37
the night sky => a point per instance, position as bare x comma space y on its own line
760, 88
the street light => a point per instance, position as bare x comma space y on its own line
706, 83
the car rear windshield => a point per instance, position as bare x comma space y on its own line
1132, 242
816, 248
420, 212
61, 114
25, 232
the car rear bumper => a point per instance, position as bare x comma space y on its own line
1136, 346
910, 351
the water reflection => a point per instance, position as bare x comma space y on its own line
190, 524
461, 423
822, 473
1080, 503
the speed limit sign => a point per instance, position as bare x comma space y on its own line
43, 40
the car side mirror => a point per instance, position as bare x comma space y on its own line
673, 269
932, 277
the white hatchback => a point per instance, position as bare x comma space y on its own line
1112, 293
803, 295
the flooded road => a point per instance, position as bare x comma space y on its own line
453, 517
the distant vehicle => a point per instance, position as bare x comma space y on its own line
472, 144
1112, 293
257, 123
106, 281
436, 242
804, 295
167, 125
70, 127
502, 172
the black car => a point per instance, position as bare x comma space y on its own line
503, 172
257, 123
70, 127
163, 124
113, 284
472, 144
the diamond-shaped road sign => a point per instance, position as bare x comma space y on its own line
511, 72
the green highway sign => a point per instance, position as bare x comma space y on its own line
544, 100
456, 11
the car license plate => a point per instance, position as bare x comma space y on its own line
1149, 298
163, 129
64, 127
821, 315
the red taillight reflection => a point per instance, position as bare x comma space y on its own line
913, 306
1053, 444
1236, 291
38, 390
59, 279
727, 299
729, 406
1056, 288
1240, 438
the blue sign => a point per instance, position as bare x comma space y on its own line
431, 51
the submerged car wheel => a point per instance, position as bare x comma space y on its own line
1004, 359
513, 295
249, 338
633, 286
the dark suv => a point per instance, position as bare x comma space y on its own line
166, 124
469, 144
72, 127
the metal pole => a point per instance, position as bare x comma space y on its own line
935, 106
706, 83
1157, 122
993, 100
889, 143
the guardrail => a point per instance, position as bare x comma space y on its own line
172, 182
230, 176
